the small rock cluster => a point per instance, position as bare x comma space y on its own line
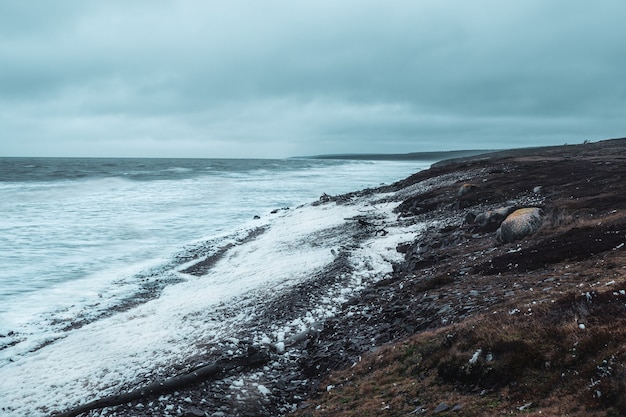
519, 224
512, 223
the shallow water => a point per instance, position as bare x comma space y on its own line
77, 247
70, 228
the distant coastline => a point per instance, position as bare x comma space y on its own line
412, 156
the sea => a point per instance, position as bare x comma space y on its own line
77, 235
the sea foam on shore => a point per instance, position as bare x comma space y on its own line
198, 313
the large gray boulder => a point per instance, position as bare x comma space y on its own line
491, 219
520, 223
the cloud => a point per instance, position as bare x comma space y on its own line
294, 77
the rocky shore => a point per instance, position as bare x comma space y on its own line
476, 323
510, 299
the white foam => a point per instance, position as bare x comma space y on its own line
110, 354
60, 231
107, 354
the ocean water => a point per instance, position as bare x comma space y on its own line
74, 229
82, 239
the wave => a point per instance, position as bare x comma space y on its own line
262, 284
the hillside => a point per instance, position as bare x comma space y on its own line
469, 325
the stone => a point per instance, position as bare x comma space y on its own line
469, 218
519, 224
441, 408
279, 209
325, 198
525, 406
466, 188
493, 218
195, 412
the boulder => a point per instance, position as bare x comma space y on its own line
520, 223
466, 188
491, 219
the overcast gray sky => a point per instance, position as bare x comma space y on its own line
276, 78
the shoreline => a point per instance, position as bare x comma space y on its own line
454, 272
283, 322
411, 156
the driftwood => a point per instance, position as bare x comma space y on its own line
253, 359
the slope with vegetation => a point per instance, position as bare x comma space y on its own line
469, 325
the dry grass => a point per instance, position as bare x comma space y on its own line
546, 335
496, 363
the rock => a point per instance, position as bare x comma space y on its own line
403, 247
257, 217
466, 188
279, 209
195, 412
441, 408
520, 223
525, 406
469, 218
493, 218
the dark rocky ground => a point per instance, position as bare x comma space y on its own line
527, 307
459, 291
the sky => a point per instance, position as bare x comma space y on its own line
279, 78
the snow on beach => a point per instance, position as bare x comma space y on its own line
128, 348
